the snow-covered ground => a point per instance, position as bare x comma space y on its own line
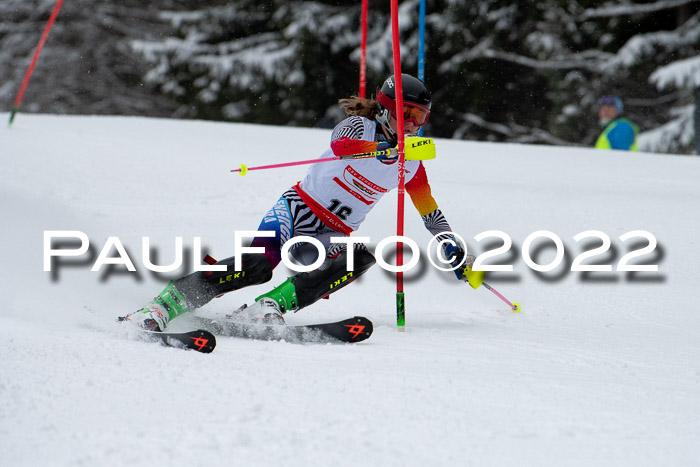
598, 369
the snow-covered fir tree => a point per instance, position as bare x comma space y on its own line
86, 66
527, 72
684, 130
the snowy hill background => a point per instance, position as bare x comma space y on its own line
598, 369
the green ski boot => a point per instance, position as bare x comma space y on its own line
269, 308
155, 316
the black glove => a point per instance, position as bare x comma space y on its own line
453, 251
463, 272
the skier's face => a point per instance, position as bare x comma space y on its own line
409, 126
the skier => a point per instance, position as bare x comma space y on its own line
618, 131
331, 201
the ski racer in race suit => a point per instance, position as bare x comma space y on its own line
331, 201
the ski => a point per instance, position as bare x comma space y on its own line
199, 340
356, 329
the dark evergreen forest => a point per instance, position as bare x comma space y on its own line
515, 71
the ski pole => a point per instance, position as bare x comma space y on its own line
40, 46
244, 169
417, 149
514, 306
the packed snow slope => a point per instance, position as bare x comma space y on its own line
599, 368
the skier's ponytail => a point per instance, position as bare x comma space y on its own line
358, 106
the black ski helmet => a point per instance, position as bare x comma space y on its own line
414, 91
415, 94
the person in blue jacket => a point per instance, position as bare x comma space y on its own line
619, 132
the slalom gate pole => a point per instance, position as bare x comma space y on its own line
363, 52
421, 47
513, 306
32, 64
400, 299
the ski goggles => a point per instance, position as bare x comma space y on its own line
415, 113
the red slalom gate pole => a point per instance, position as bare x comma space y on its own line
400, 302
363, 52
40, 46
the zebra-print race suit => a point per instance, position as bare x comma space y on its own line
291, 217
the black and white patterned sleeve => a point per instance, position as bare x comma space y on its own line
352, 128
436, 224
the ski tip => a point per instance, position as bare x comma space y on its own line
358, 329
202, 341
199, 340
